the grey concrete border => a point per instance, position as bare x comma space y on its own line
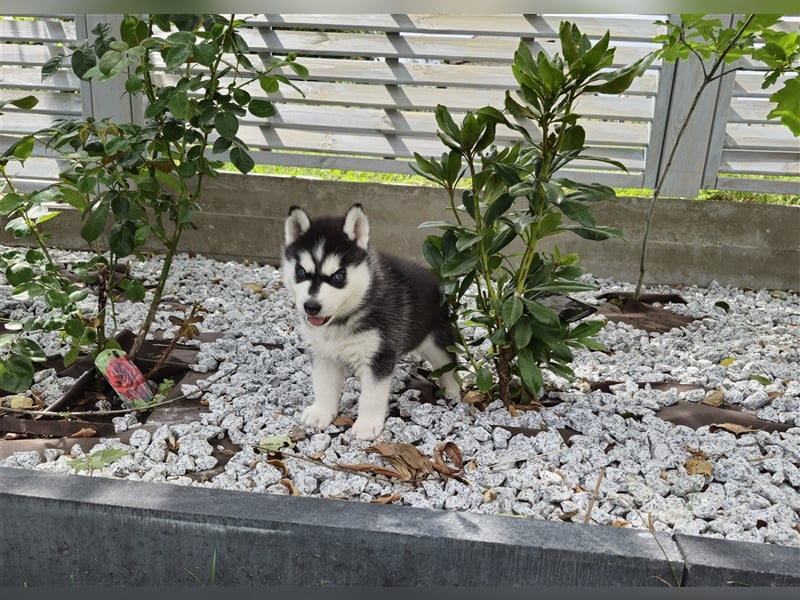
61, 530
744, 245
57, 529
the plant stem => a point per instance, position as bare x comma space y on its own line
158, 293
661, 175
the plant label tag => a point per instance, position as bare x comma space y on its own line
124, 376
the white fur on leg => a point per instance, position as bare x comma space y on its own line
372, 405
328, 378
438, 358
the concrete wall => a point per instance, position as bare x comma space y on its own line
745, 245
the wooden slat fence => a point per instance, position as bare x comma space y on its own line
376, 79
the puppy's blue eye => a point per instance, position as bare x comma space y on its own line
300, 272
338, 278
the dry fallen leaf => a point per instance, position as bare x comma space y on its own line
253, 287
698, 466
86, 432
278, 464
386, 499
297, 433
715, 398
374, 470
343, 421
475, 398
409, 462
619, 523
287, 483
451, 451
696, 453
734, 428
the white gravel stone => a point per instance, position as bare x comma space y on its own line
256, 392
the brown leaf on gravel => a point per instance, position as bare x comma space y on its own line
253, 287
475, 399
734, 428
715, 398
696, 465
374, 470
297, 433
452, 452
343, 421
409, 462
619, 523
386, 499
278, 464
287, 483
567, 516
86, 432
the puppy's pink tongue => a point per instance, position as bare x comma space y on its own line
316, 321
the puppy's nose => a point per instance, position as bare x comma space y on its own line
312, 307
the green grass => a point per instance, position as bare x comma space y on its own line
397, 178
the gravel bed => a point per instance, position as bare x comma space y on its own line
259, 382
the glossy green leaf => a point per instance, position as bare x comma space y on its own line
511, 311
16, 374
227, 125
242, 160
260, 108
95, 223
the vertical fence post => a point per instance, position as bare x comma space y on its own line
106, 99
697, 148
719, 122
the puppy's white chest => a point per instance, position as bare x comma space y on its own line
351, 349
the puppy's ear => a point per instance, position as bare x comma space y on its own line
356, 226
297, 223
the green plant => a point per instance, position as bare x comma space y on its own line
494, 275
132, 182
717, 47
97, 460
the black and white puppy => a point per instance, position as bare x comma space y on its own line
360, 309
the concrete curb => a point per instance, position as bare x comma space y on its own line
61, 530
744, 245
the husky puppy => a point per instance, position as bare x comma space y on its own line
361, 310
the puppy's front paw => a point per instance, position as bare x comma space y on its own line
367, 429
317, 416
452, 391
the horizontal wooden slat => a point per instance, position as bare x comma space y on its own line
67, 104
28, 79
750, 110
760, 163
27, 55
386, 146
773, 186
748, 84
640, 28
422, 124
444, 75
21, 123
357, 163
454, 48
40, 30
767, 137
455, 98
